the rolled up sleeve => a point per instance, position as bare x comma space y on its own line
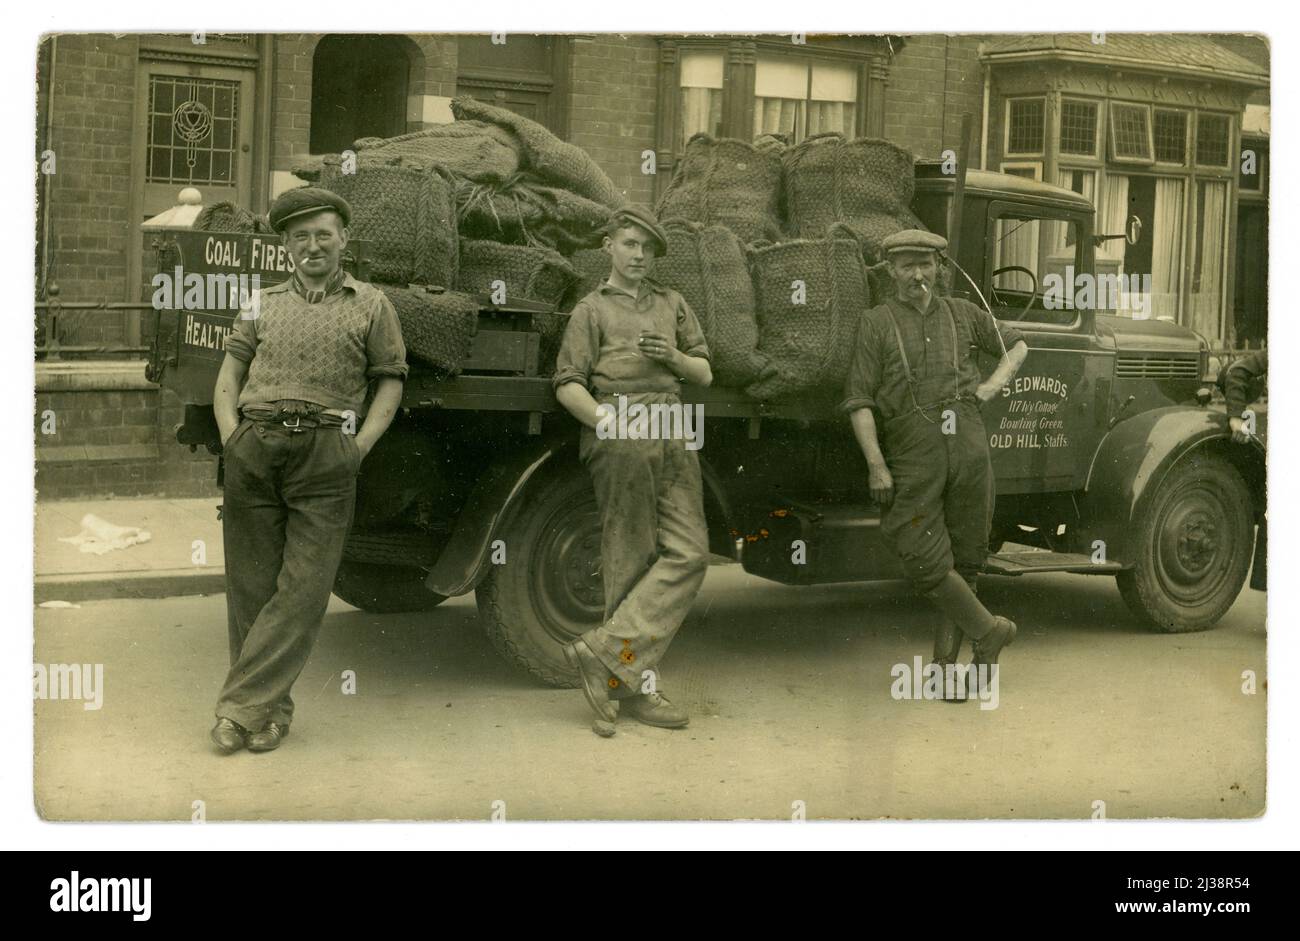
987, 333
241, 341
578, 349
690, 336
385, 349
864, 370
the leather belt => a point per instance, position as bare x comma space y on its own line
296, 422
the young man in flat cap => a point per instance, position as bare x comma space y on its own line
915, 376
294, 406
632, 337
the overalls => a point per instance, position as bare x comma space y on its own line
654, 542
943, 483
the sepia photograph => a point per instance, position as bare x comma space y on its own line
650, 426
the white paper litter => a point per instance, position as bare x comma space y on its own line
100, 536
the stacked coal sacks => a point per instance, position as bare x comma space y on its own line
729, 183
405, 209
809, 296
810, 219
708, 267
865, 184
724, 194
485, 210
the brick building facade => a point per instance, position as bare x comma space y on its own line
116, 115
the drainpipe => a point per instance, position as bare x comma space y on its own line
45, 177
984, 128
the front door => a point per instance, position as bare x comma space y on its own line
194, 128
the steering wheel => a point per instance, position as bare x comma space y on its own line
1032, 277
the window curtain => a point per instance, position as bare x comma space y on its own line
1111, 218
1166, 233
701, 111
1062, 234
825, 116
777, 116
701, 93
1207, 278
832, 99
1018, 245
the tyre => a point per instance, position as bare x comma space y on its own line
384, 589
1194, 547
549, 591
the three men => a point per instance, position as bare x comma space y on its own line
632, 337
296, 421
915, 377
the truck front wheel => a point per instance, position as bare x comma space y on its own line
548, 590
1194, 547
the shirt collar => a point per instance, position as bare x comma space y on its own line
339, 280
904, 306
646, 285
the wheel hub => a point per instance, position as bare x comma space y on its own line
1190, 544
568, 587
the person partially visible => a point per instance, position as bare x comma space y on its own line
1243, 383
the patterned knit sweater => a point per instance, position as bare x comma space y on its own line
326, 353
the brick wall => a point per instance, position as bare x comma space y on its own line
89, 194
116, 443
932, 81
613, 106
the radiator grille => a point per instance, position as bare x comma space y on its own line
1158, 366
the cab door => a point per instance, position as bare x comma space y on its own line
1045, 425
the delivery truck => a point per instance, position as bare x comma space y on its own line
1109, 457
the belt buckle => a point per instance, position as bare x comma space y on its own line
297, 423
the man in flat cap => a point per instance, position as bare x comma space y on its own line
915, 376
633, 342
311, 379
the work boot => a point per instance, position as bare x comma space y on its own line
269, 738
594, 678
987, 649
947, 648
990, 645
654, 709
229, 736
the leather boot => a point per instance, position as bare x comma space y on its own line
594, 678
947, 648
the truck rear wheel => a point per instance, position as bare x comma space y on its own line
549, 590
1194, 547
384, 589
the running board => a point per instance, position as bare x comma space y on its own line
1024, 562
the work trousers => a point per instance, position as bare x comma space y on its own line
654, 544
943, 493
289, 497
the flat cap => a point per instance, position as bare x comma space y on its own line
305, 200
914, 240
635, 214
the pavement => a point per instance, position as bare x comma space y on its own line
182, 557
794, 709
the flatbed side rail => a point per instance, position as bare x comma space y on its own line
533, 394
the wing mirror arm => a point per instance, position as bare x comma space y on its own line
1132, 234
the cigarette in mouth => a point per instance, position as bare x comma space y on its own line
924, 288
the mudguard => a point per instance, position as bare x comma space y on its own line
463, 562
1135, 456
